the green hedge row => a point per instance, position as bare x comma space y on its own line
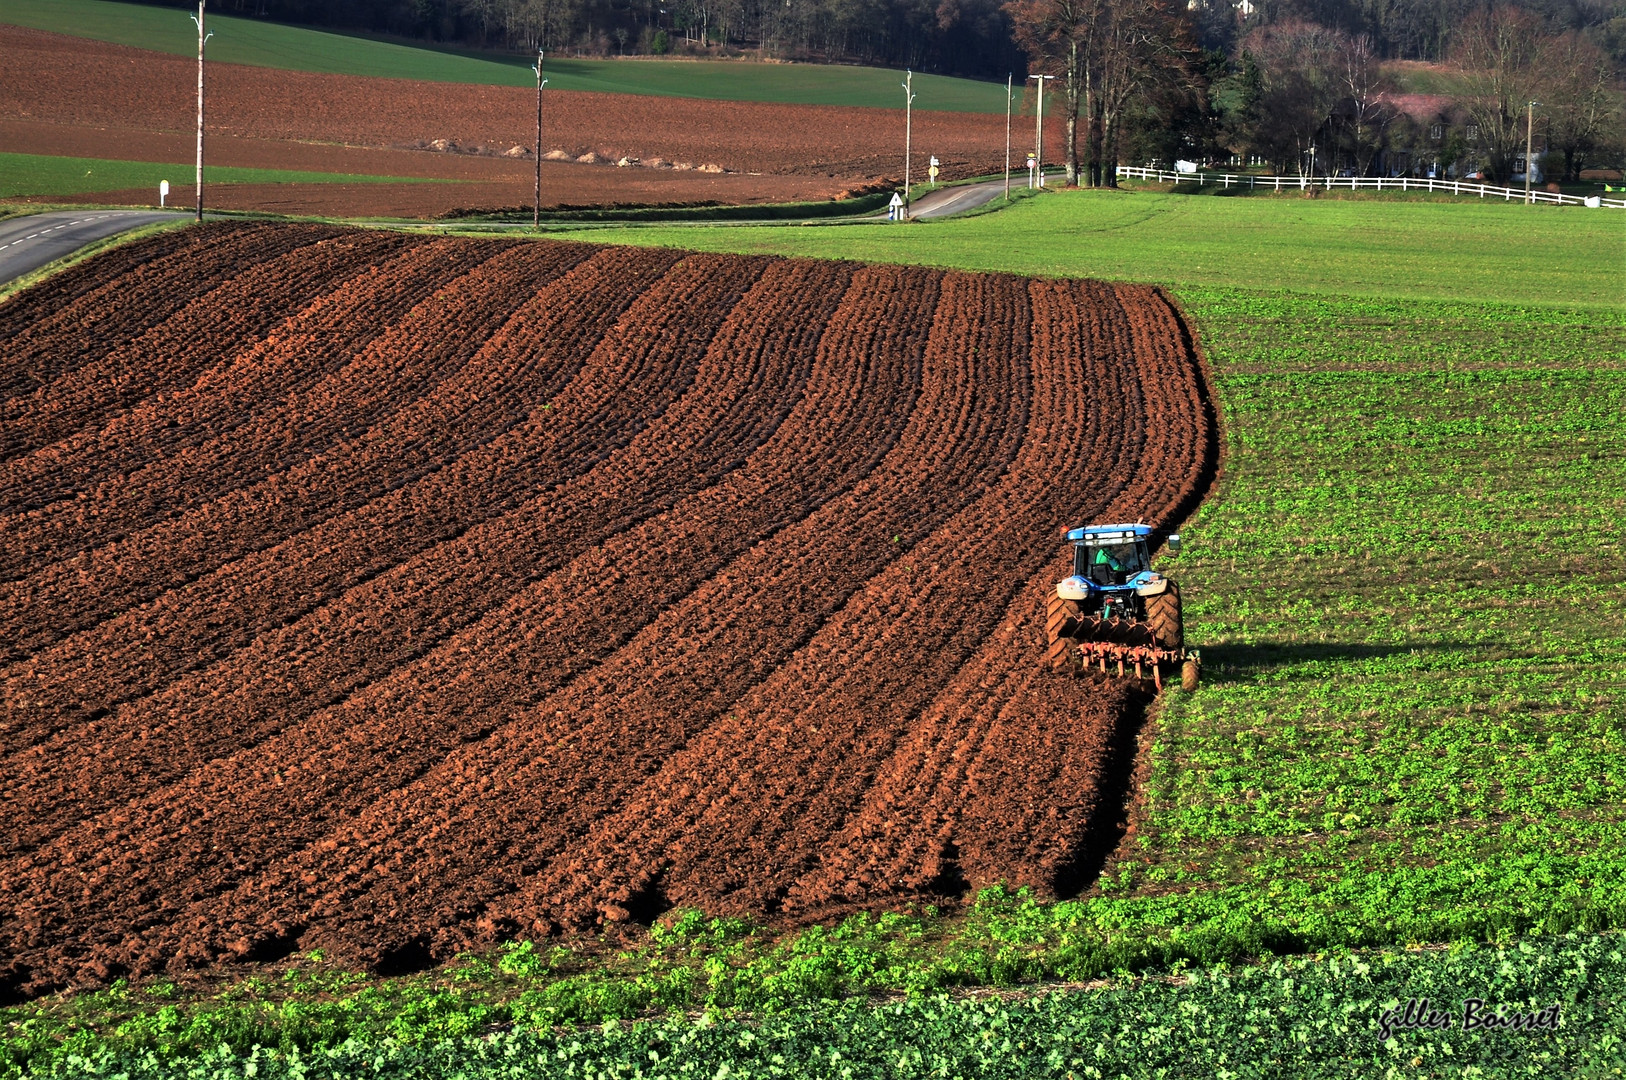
1300, 1018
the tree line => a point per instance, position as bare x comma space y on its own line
957, 37
1135, 84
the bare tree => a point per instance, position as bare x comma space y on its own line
1366, 115
1300, 69
1503, 55
1146, 46
1582, 102
486, 13
1103, 53
1062, 38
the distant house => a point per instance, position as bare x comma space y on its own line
1431, 136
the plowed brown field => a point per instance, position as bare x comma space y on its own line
396, 595
68, 96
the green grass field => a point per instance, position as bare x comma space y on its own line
262, 44
1408, 587
42, 174
1493, 252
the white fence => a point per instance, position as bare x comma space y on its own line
1376, 183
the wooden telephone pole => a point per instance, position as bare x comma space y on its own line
908, 133
1008, 78
536, 206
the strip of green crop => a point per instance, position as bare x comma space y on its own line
48, 174
1305, 1018
1409, 589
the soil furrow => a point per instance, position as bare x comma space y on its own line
51, 329
292, 261
686, 666
258, 414
858, 399
490, 434
391, 620
328, 769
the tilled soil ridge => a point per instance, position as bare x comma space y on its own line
397, 595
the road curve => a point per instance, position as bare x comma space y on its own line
30, 242
945, 202
956, 200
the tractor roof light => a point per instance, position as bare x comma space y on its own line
1109, 534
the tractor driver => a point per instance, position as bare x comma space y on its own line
1112, 563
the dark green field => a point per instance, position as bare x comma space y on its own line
41, 174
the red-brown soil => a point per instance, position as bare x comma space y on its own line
63, 95
395, 594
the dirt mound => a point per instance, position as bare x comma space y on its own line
395, 594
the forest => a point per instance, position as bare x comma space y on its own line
953, 37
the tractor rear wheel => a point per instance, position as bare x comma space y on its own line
1061, 624
1163, 615
1189, 674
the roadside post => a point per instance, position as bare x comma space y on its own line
1038, 130
1529, 140
163, 193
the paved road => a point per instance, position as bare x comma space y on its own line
957, 200
29, 242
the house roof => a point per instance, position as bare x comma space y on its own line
1423, 108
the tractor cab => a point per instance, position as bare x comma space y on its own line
1111, 558
1110, 554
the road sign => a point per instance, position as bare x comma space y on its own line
894, 209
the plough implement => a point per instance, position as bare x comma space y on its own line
1115, 614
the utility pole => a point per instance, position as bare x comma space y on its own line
1008, 137
1038, 136
536, 206
202, 40
1529, 132
908, 132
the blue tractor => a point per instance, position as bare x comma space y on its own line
1116, 610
